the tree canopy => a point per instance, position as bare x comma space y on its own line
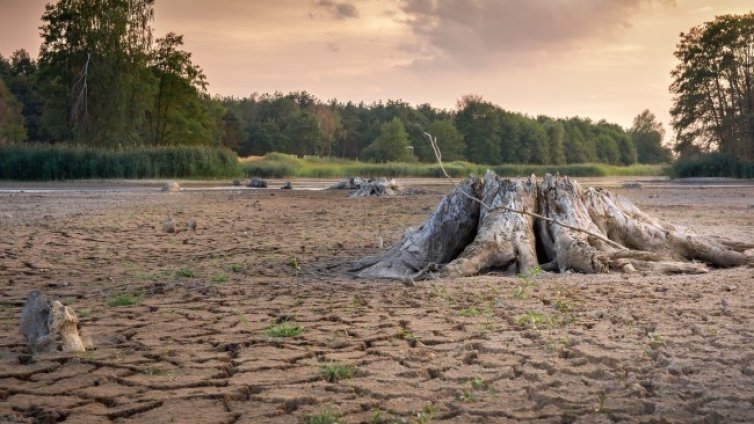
713, 87
104, 79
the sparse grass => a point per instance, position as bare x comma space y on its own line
335, 371
84, 312
278, 165
425, 415
466, 396
519, 293
285, 329
185, 272
532, 319
324, 417
655, 341
478, 384
358, 301
234, 267
562, 305
377, 417
123, 299
219, 278
406, 334
470, 312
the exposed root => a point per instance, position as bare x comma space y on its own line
518, 225
439, 239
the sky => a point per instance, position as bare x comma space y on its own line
601, 59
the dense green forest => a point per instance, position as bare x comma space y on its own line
102, 80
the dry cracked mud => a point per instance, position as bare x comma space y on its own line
198, 343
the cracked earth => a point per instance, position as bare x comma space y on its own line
185, 324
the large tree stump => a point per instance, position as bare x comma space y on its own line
517, 225
49, 326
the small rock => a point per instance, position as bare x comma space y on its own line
192, 224
171, 187
674, 369
237, 183
632, 185
168, 226
287, 186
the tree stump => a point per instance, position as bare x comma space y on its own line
377, 187
257, 182
518, 225
49, 326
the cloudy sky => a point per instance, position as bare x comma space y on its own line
594, 58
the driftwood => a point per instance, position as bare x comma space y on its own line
377, 187
553, 224
171, 187
257, 182
50, 326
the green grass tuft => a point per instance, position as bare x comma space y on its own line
335, 371
123, 299
284, 329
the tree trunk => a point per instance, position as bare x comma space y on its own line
502, 224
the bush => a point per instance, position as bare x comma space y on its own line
63, 162
712, 165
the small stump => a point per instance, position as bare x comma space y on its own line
50, 326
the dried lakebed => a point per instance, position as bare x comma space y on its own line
251, 318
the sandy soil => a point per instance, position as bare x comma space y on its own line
496, 348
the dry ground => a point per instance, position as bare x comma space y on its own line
195, 347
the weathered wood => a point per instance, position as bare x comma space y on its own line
350, 183
622, 221
504, 238
377, 187
49, 326
449, 229
589, 231
560, 199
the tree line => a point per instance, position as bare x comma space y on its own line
477, 131
102, 79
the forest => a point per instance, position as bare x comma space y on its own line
102, 80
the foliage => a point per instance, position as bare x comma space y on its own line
713, 87
58, 162
712, 165
12, 128
647, 135
391, 145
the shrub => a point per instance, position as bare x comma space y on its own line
712, 165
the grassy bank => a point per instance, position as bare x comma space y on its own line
62, 162
277, 165
713, 165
